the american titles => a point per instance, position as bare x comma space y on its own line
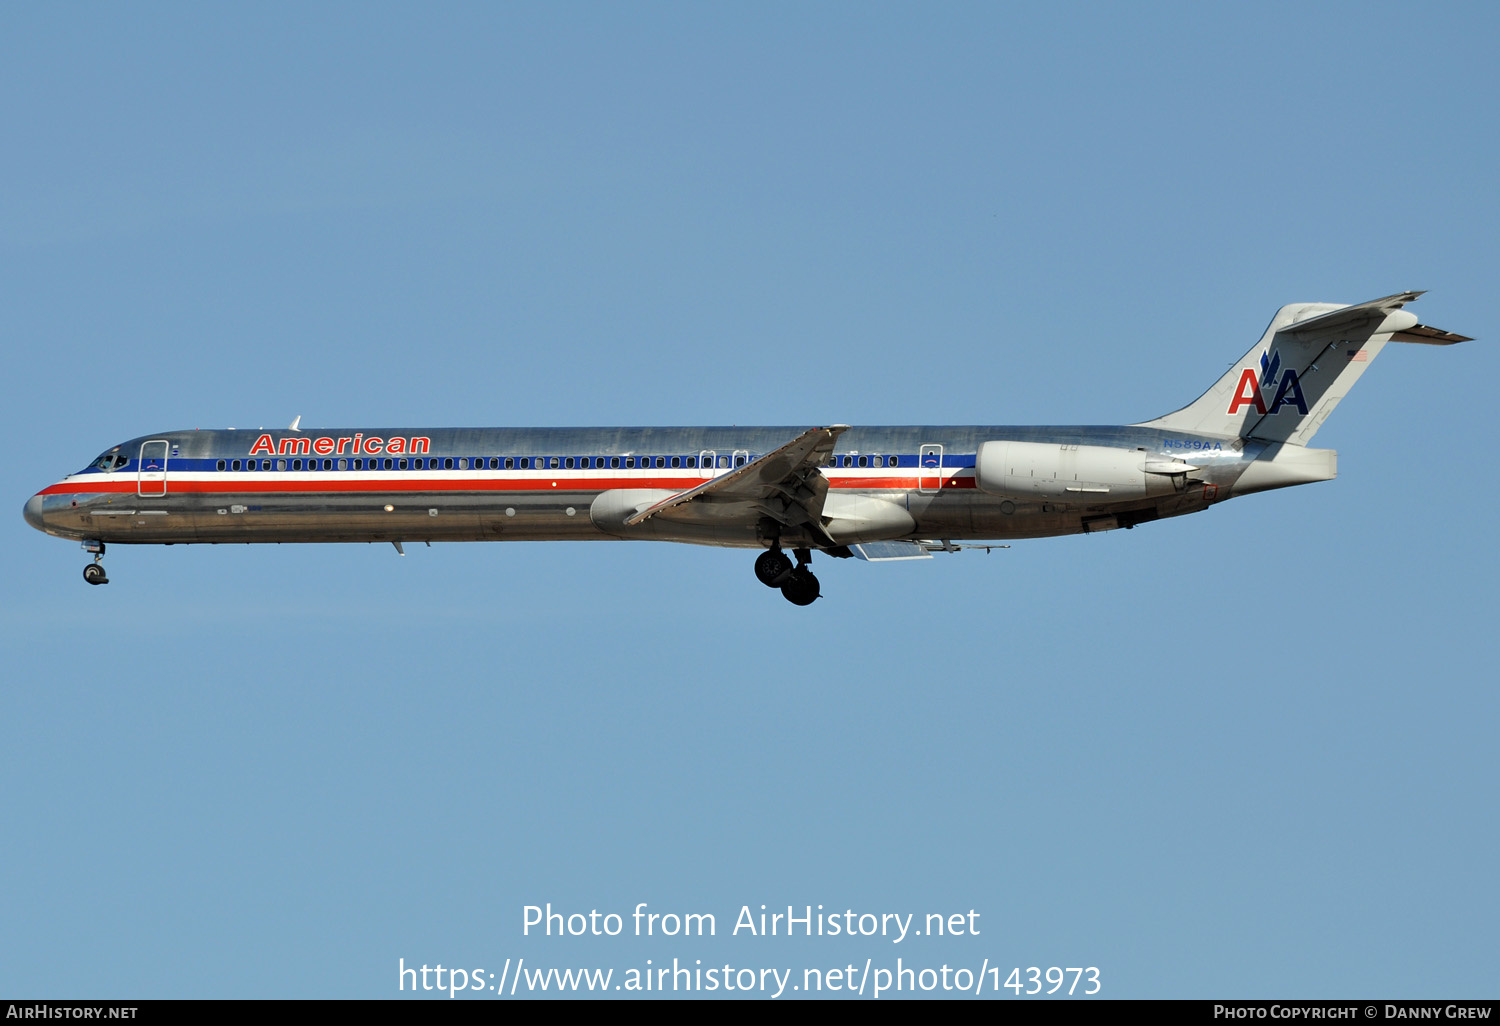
324, 445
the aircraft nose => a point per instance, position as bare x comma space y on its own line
34, 513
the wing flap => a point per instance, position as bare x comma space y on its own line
890, 551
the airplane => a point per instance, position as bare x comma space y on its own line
874, 493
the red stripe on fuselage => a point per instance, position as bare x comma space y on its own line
275, 483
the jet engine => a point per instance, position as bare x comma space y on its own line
1079, 473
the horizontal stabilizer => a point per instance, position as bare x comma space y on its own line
1352, 316
1429, 336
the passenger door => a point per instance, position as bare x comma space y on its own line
151, 477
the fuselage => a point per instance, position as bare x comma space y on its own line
525, 484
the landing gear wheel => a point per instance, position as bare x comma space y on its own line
94, 574
772, 567
800, 588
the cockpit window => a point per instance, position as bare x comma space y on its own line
110, 461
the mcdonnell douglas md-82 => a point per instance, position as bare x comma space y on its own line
876, 493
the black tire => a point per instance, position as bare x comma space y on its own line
94, 574
772, 567
801, 588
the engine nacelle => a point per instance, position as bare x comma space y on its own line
1077, 473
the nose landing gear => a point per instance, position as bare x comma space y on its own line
797, 583
94, 572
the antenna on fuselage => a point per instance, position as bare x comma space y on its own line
295, 421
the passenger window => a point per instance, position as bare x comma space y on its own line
234, 465
661, 461
629, 462
568, 463
723, 462
739, 461
692, 461
401, 464
220, 465
281, 464
510, 463
448, 463
614, 461
387, 464
343, 464
328, 464
890, 461
463, 463
676, 462
864, 461
554, 463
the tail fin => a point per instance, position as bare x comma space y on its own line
1310, 356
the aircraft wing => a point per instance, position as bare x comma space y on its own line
784, 484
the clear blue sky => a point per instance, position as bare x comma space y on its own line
1245, 753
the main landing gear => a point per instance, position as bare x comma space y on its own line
94, 572
797, 583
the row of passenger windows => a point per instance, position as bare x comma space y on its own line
526, 463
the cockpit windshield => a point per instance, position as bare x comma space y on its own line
110, 461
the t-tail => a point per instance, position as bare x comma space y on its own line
1284, 388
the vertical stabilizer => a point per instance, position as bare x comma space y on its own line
1290, 381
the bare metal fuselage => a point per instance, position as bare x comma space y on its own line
491, 484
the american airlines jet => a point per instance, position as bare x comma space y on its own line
875, 493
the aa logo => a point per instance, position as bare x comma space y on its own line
1251, 390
